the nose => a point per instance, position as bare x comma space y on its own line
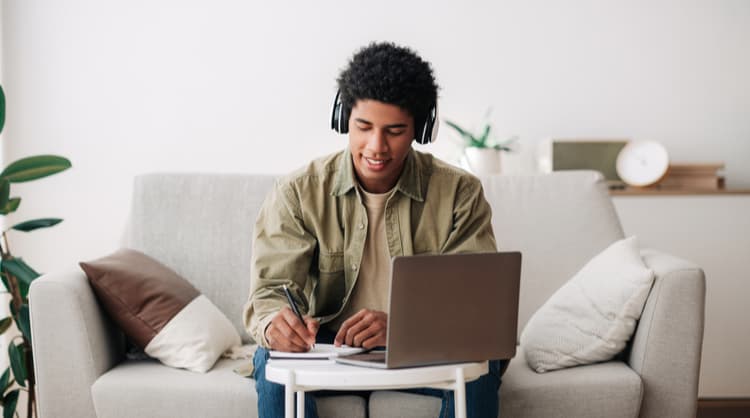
377, 142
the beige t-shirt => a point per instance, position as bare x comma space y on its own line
371, 289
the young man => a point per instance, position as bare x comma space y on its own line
329, 230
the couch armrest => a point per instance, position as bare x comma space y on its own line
666, 347
73, 343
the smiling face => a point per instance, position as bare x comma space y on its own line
380, 136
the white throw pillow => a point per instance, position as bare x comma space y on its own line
592, 316
195, 338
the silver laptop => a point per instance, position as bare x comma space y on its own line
449, 309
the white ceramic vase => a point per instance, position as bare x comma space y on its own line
483, 161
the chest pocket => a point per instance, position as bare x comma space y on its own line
330, 287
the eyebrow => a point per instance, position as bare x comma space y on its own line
395, 125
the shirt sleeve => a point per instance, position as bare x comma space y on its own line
472, 221
282, 254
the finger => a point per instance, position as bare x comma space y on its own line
353, 331
285, 329
285, 339
313, 325
286, 335
376, 328
294, 323
366, 319
285, 345
341, 335
339, 338
279, 342
374, 341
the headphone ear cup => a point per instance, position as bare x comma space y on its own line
339, 118
343, 120
429, 129
435, 123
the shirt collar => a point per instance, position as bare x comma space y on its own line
411, 183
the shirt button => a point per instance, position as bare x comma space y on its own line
354, 266
361, 226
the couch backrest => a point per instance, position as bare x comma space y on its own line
558, 221
201, 225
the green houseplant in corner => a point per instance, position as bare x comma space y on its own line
17, 276
481, 151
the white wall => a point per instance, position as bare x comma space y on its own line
126, 87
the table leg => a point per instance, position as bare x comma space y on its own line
459, 394
289, 396
300, 404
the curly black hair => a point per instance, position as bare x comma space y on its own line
390, 74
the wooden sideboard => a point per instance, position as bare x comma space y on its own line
711, 229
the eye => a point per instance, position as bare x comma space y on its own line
396, 132
362, 127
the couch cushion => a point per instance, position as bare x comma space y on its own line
609, 389
559, 221
201, 226
388, 403
145, 388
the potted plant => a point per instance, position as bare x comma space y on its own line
482, 152
17, 276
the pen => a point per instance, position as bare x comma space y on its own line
293, 305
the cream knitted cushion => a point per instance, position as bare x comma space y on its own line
591, 317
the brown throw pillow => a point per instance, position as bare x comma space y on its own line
160, 311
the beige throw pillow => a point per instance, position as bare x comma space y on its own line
591, 317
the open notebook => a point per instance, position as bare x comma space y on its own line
320, 351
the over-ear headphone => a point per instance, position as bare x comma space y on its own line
424, 132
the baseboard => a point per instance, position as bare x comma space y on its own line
724, 408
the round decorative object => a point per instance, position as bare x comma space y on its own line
642, 163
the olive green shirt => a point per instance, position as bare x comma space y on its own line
311, 231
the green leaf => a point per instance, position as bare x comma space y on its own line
477, 144
485, 134
4, 192
25, 274
4, 325
2, 108
36, 167
17, 363
9, 403
3, 277
36, 224
5, 380
464, 133
10, 206
22, 321
19, 268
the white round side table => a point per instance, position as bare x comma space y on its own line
302, 376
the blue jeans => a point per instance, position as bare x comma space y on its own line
481, 394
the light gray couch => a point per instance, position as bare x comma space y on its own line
201, 226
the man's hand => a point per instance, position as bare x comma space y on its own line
286, 333
366, 328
